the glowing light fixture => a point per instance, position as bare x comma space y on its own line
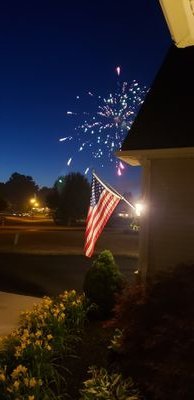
139, 207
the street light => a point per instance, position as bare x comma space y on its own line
32, 201
34, 204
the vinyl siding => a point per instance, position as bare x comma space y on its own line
171, 224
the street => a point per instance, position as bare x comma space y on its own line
38, 275
63, 240
45, 260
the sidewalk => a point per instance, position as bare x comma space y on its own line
11, 306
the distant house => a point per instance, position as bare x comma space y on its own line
161, 140
123, 210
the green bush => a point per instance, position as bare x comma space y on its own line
106, 386
102, 282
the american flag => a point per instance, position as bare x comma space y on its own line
103, 201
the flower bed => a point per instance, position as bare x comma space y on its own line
33, 358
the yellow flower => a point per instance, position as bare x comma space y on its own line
48, 347
61, 317
38, 333
14, 333
38, 342
31, 397
26, 332
16, 385
49, 337
64, 296
2, 377
20, 369
18, 352
56, 311
32, 382
26, 382
46, 302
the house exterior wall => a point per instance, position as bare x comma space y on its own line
170, 234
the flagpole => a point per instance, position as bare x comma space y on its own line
113, 190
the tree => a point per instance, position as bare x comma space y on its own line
2, 190
70, 198
19, 189
43, 194
52, 199
3, 204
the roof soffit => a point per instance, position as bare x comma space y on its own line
179, 15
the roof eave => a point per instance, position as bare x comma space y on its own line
179, 17
138, 157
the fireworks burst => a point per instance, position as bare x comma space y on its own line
103, 132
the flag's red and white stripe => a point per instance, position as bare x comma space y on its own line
98, 217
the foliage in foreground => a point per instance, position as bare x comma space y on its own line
32, 358
157, 326
105, 386
102, 282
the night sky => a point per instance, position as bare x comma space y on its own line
53, 51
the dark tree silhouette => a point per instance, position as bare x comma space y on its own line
2, 190
19, 189
52, 199
43, 194
3, 204
70, 198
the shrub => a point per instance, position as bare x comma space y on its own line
106, 386
142, 312
158, 331
128, 311
102, 282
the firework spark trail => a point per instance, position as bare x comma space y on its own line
103, 132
